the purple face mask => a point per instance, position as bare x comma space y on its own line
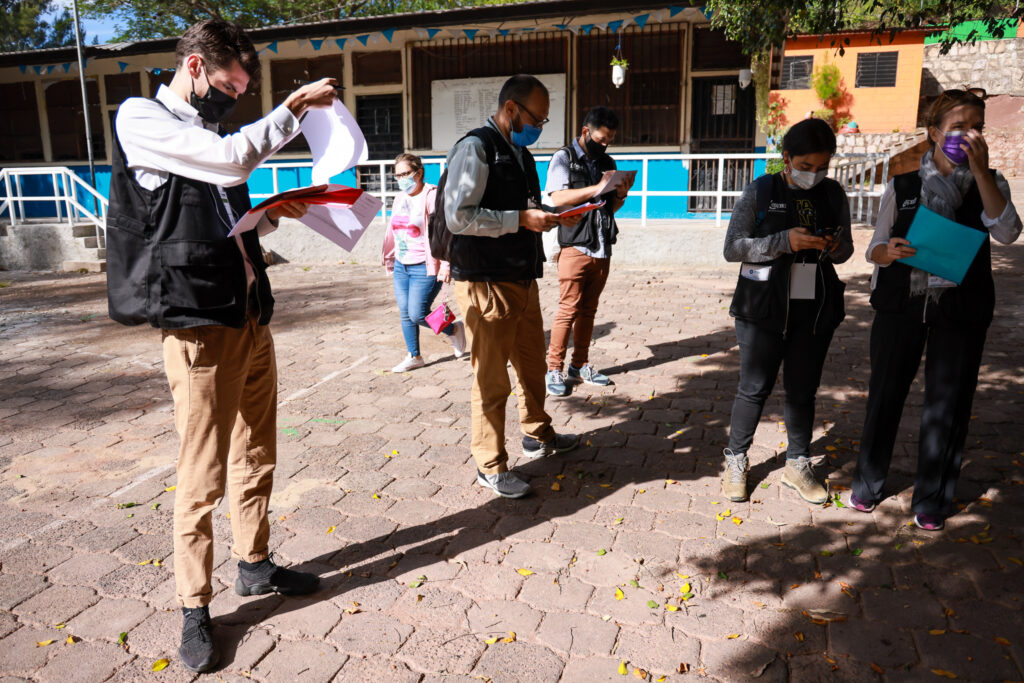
951, 147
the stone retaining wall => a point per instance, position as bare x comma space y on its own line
996, 65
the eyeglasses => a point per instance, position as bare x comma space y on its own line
539, 122
404, 175
963, 93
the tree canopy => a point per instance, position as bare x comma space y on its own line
759, 25
34, 24
143, 19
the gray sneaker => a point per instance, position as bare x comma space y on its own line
799, 475
554, 381
505, 484
562, 443
734, 477
587, 375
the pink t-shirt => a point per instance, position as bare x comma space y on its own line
408, 223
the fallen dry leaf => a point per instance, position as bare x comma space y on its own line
491, 641
619, 595
640, 673
160, 664
732, 636
556, 486
331, 529
524, 572
622, 668
511, 637
944, 673
71, 640
44, 643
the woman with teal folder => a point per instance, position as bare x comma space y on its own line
915, 310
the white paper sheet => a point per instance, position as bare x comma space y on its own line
612, 180
335, 140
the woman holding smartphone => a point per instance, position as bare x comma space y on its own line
787, 230
914, 310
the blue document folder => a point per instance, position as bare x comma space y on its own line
944, 247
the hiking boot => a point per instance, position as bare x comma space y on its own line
734, 477
505, 484
265, 577
410, 363
929, 522
458, 339
588, 375
798, 475
540, 449
555, 381
859, 505
197, 652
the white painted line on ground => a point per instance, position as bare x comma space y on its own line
302, 392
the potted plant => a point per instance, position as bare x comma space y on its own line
619, 66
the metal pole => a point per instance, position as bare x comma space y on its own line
85, 104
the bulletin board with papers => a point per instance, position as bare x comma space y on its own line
459, 105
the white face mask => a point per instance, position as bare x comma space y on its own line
805, 180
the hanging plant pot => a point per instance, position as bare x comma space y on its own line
619, 67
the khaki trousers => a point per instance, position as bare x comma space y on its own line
505, 324
224, 384
581, 280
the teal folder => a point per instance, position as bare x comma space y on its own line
944, 247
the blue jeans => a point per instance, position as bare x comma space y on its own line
415, 292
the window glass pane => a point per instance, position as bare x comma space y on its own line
796, 73
20, 138
67, 120
876, 69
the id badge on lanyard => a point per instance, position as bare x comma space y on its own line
226, 203
803, 278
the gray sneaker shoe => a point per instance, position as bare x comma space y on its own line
562, 443
588, 375
554, 382
734, 477
798, 475
505, 484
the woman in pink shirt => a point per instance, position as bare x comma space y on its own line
417, 275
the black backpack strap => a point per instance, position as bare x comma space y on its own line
907, 187
763, 187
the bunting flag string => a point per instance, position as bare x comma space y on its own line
364, 39
121, 65
316, 43
388, 33
340, 42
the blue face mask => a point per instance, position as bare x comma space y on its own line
527, 136
407, 184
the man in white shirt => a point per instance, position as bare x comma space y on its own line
177, 188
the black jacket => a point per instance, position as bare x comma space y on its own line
585, 233
169, 260
767, 303
513, 257
973, 301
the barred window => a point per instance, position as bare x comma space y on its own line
796, 73
876, 69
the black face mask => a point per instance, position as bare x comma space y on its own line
594, 149
215, 105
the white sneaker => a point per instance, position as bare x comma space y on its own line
458, 339
410, 363
505, 484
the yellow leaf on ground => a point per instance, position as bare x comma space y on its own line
556, 486
71, 640
685, 588
144, 562
376, 496
524, 572
157, 563
877, 669
732, 636
394, 452
727, 512
160, 664
1002, 641
799, 636
622, 668
737, 521
944, 673
640, 673
672, 608
60, 625
682, 576
511, 637
44, 643
619, 595
937, 631
491, 641
170, 488
331, 529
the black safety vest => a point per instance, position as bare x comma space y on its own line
513, 257
767, 303
169, 260
973, 301
585, 233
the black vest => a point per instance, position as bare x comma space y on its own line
513, 257
767, 303
169, 260
585, 233
973, 301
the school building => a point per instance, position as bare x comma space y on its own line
416, 82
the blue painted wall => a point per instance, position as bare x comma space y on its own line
664, 175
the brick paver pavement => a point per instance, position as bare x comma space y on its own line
422, 569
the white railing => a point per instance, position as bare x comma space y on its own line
857, 173
66, 186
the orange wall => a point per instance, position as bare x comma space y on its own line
876, 110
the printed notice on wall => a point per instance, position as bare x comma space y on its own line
457, 106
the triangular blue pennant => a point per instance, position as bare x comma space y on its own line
504, 31
363, 39
706, 12
23, 68
674, 10
49, 69
641, 20
157, 71
431, 32
388, 33
471, 32
614, 26
67, 66
317, 44
37, 69
272, 47
586, 28
122, 66
561, 27
340, 42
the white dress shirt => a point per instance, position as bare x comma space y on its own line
467, 180
174, 139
